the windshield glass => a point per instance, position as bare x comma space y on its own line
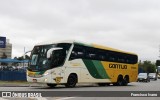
142, 74
152, 74
39, 60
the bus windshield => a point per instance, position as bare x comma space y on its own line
39, 60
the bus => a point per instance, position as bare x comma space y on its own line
71, 62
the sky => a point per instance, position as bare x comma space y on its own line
129, 25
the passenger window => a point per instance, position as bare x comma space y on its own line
76, 53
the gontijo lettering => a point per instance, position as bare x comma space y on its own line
117, 66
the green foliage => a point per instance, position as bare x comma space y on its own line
147, 66
20, 58
27, 57
158, 63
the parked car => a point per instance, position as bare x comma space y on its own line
153, 76
143, 77
158, 76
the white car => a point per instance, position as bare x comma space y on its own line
143, 77
158, 76
153, 76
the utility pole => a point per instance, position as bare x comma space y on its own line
23, 57
159, 52
158, 62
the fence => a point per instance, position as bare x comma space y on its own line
13, 76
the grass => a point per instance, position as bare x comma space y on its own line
14, 82
19, 83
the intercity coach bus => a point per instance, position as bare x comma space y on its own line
71, 62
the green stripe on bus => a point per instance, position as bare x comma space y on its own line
42, 72
88, 45
100, 69
92, 69
39, 73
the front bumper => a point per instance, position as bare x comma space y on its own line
141, 79
43, 79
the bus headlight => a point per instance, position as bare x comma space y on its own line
46, 73
45, 80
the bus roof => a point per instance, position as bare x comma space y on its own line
103, 47
85, 44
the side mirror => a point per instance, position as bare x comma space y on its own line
49, 52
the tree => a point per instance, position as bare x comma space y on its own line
15, 63
157, 62
27, 57
147, 66
20, 58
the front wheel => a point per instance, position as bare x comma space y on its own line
72, 80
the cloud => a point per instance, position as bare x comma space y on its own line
131, 25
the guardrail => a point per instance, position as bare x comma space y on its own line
12, 76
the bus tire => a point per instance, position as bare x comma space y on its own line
51, 85
125, 80
72, 80
125, 83
114, 84
120, 81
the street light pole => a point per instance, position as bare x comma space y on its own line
23, 57
159, 52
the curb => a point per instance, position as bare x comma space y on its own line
22, 85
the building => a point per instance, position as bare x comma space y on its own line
7, 50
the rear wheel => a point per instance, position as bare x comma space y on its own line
72, 80
119, 81
125, 81
51, 85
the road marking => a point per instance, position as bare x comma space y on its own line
65, 98
41, 98
3, 99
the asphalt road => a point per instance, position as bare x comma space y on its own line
91, 88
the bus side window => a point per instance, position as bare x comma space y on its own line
92, 56
120, 58
90, 53
101, 57
73, 55
80, 54
111, 57
132, 59
77, 52
87, 53
127, 60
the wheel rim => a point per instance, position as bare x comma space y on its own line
120, 83
72, 81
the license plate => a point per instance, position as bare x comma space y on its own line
34, 80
